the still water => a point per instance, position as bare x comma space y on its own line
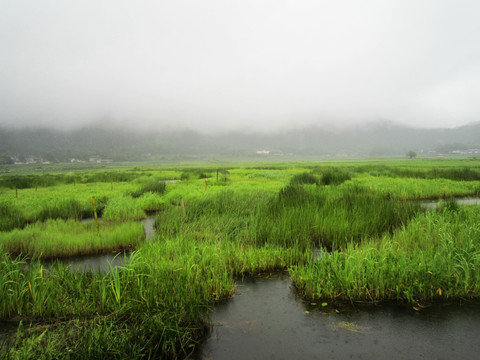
266, 320
466, 201
105, 262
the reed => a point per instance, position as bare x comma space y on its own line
335, 177
59, 238
10, 216
123, 208
154, 187
435, 257
304, 178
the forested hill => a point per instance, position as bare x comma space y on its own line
101, 142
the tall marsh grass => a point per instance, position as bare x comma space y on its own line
67, 209
335, 177
332, 218
304, 178
59, 238
123, 208
154, 187
436, 256
10, 217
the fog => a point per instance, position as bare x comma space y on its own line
217, 65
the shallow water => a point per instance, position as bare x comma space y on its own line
95, 263
149, 224
466, 201
266, 320
105, 262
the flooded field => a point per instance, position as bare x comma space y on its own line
266, 320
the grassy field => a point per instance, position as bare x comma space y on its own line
377, 244
60, 238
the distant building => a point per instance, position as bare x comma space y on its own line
468, 151
262, 152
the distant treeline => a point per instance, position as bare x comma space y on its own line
101, 143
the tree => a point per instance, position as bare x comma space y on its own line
5, 159
412, 154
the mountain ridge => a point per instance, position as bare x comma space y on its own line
117, 144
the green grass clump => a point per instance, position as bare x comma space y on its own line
331, 218
304, 178
59, 238
31, 181
10, 217
111, 176
334, 177
185, 176
151, 202
448, 205
299, 216
154, 187
464, 174
107, 337
409, 188
436, 256
123, 208
68, 209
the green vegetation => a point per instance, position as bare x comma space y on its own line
435, 257
10, 217
335, 177
376, 242
304, 178
59, 238
154, 187
123, 208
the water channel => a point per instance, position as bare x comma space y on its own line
266, 320
466, 201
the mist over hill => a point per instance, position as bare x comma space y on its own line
108, 143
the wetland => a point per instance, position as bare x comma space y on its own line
361, 267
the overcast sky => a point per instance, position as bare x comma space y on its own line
244, 64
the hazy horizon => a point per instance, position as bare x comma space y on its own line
221, 65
